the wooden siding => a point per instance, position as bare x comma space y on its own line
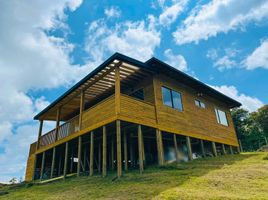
30, 163
192, 121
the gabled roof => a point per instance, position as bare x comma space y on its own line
153, 65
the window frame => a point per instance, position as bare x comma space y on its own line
171, 96
199, 103
219, 118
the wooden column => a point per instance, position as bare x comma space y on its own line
39, 133
53, 162
125, 151
112, 154
104, 151
34, 167
57, 123
214, 149
66, 159
176, 147
82, 107
118, 145
160, 149
223, 149
117, 90
202, 148
240, 145
79, 155
140, 145
42, 165
189, 148
99, 157
91, 159
231, 149
131, 153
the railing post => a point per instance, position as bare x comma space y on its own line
57, 123
82, 107
39, 133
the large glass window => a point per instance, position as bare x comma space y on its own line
172, 98
221, 117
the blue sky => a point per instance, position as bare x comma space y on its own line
46, 46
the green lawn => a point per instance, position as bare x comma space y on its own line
243, 176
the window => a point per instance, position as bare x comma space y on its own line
171, 98
221, 117
199, 103
139, 94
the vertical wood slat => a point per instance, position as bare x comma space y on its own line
104, 151
66, 159
203, 148
57, 123
53, 162
140, 145
39, 134
117, 90
118, 145
125, 151
160, 149
91, 159
214, 149
189, 148
79, 155
176, 147
42, 165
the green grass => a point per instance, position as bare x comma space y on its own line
243, 176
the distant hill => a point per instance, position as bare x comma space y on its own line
243, 176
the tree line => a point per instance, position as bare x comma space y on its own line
251, 127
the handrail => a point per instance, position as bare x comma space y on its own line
142, 101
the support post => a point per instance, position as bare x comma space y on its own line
160, 149
131, 153
57, 123
203, 148
140, 144
79, 155
91, 159
118, 144
65, 159
53, 162
104, 151
117, 90
112, 154
82, 107
39, 133
189, 147
214, 149
99, 157
223, 149
231, 149
240, 145
176, 147
42, 165
125, 151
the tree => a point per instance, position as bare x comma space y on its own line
262, 120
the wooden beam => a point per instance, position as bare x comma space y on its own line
65, 159
39, 133
223, 149
175, 147
214, 149
79, 155
53, 162
82, 107
117, 90
91, 159
160, 149
104, 151
125, 151
203, 148
57, 123
42, 165
189, 148
118, 144
231, 149
140, 145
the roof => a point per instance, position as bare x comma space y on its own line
153, 65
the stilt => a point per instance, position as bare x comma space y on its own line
140, 141
53, 162
91, 159
125, 151
104, 151
223, 149
79, 155
189, 148
131, 155
118, 144
72, 160
202, 148
231, 149
85, 158
66, 159
214, 149
59, 167
99, 157
176, 147
112, 154
160, 150
241, 147
42, 165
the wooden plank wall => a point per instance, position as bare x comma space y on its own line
192, 121
30, 162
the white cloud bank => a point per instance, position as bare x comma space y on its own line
219, 16
112, 12
177, 61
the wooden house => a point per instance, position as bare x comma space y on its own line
128, 114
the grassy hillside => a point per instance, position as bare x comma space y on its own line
243, 176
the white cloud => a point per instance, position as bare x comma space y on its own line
219, 16
112, 12
258, 58
177, 61
136, 39
248, 102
